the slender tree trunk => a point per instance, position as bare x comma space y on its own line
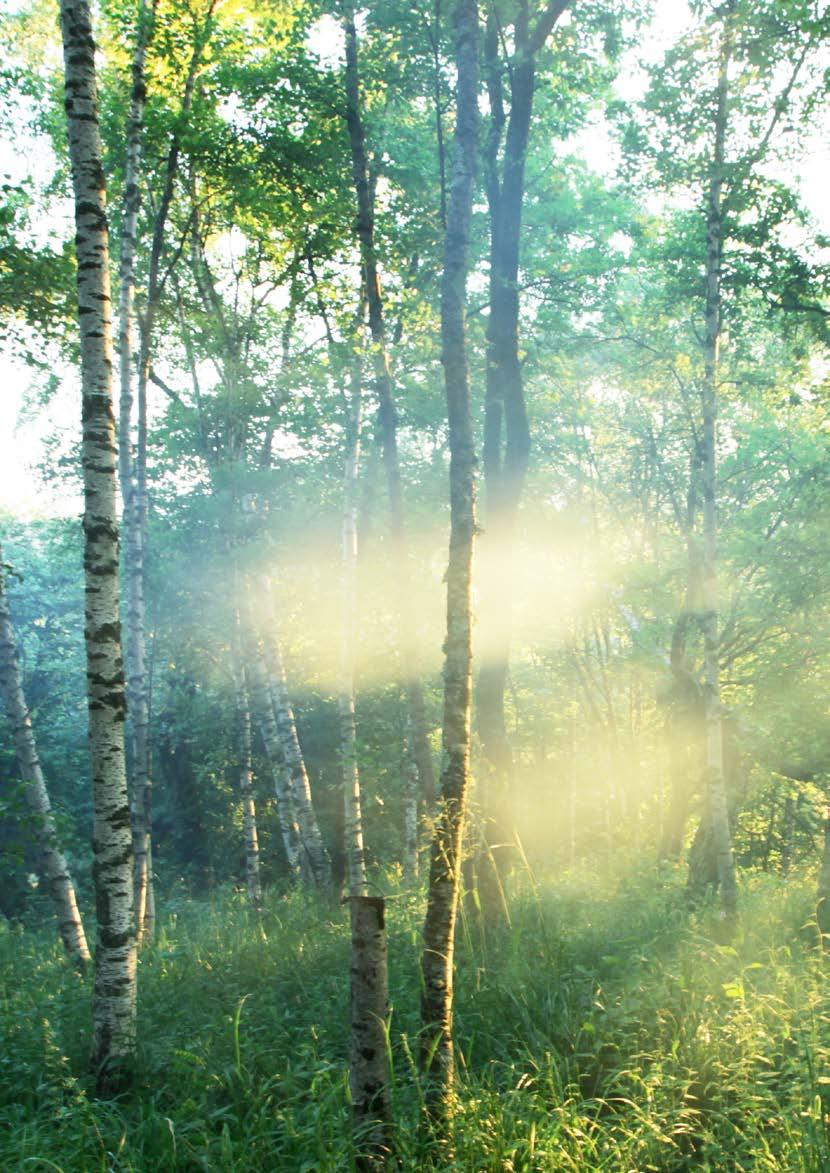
505, 466
130, 467
135, 501
790, 803
114, 995
314, 846
369, 1061
135, 661
715, 782
437, 1057
823, 893
681, 786
387, 414
246, 773
295, 854
353, 818
410, 814
53, 867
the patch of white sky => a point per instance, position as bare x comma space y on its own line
27, 433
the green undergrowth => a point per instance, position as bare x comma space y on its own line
604, 1026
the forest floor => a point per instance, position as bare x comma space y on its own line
603, 1027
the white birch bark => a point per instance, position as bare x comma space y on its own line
353, 819
312, 839
135, 660
369, 1058
298, 864
114, 995
53, 866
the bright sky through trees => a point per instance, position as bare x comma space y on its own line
26, 424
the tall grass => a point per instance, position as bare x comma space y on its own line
602, 1027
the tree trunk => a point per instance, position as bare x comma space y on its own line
410, 814
295, 854
715, 782
369, 1063
135, 501
135, 661
681, 787
114, 995
53, 867
788, 835
353, 818
437, 1058
823, 893
387, 414
315, 848
246, 774
504, 470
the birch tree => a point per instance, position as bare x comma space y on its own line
136, 674
313, 845
714, 110
437, 1056
114, 995
353, 817
53, 865
418, 741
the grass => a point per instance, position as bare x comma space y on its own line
603, 1028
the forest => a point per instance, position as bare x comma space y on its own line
414, 679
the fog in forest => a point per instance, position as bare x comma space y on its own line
414, 613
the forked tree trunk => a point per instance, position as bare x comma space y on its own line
52, 862
387, 413
245, 766
505, 460
437, 1057
114, 995
715, 781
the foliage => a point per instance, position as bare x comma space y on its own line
599, 1029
